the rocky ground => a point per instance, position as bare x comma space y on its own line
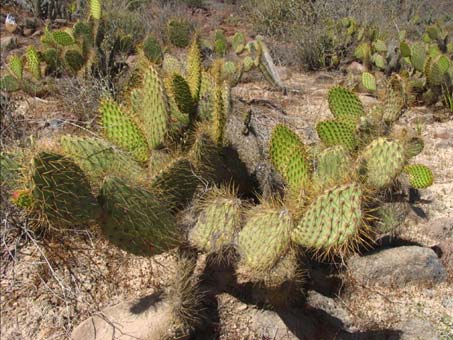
401, 290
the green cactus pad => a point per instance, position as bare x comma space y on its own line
194, 68
220, 43
176, 183
95, 9
369, 81
16, 66
33, 62
282, 145
10, 165
82, 29
9, 83
379, 61
158, 160
179, 32
217, 224
405, 49
154, 110
420, 176
382, 160
332, 221
363, 52
436, 72
61, 194
264, 239
136, 221
343, 102
394, 100
418, 56
97, 158
337, 132
62, 38
238, 42
152, 50
122, 130
74, 60
50, 56
218, 114
182, 96
248, 63
332, 167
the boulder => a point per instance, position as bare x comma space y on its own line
398, 267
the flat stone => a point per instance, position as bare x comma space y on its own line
398, 267
28, 31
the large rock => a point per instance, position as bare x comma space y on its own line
398, 267
428, 233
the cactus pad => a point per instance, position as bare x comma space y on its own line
16, 66
62, 38
179, 32
217, 224
122, 130
95, 9
332, 220
136, 221
369, 81
152, 50
420, 176
382, 160
343, 102
74, 60
332, 166
9, 83
264, 239
337, 132
194, 68
176, 183
97, 158
154, 110
33, 62
418, 56
60, 191
182, 96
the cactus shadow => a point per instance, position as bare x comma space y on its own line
145, 303
310, 323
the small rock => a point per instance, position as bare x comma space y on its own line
28, 31
37, 33
61, 22
398, 267
445, 251
8, 43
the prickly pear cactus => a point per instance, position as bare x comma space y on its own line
177, 182
418, 56
153, 113
95, 9
62, 38
60, 192
288, 155
332, 221
337, 132
16, 66
394, 100
121, 130
33, 62
420, 176
182, 95
381, 161
369, 81
194, 68
97, 158
217, 224
179, 32
152, 50
332, 167
136, 220
74, 60
263, 240
238, 42
343, 102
